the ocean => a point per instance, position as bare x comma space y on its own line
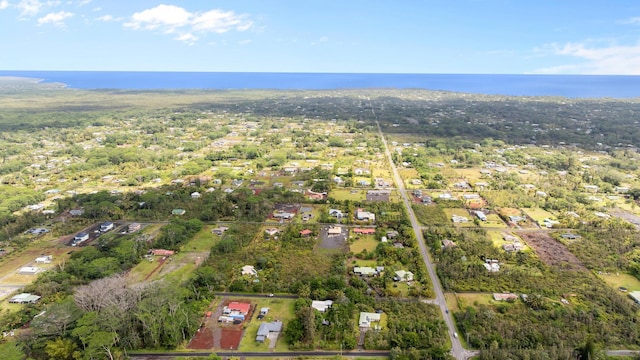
572, 86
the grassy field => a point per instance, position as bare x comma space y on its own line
493, 221
279, 309
460, 212
538, 214
346, 194
625, 280
470, 299
363, 242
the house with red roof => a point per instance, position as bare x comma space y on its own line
162, 252
238, 307
306, 232
364, 231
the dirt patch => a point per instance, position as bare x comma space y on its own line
202, 340
627, 216
551, 252
231, 337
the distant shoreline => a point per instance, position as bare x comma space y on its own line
20, 79
569, 86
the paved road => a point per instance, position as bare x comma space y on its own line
622, 352
286, 354
457, 350
275, 296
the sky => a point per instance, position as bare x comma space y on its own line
336, 36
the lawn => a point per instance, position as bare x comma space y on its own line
493, 221
538, 214
363, 242
460, 212
470, 299
351, 195
625, 280
471, 175
279, 309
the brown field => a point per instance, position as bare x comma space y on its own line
550, 251
231, 336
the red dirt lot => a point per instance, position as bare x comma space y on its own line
202, 340
552, 252
231, 337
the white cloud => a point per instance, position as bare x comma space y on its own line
29, 7
245, 42
322, 39
219, 21
55, 18
631, 21
170, 19
4, 4
108, 18
608, 59
188, 38
165, 17
84, 2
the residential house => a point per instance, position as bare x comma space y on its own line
76, 212
321, 306
46, 259
365, 271
271, 231
336, 213
367, 318
459, 219
249, 270
24, 298
195, 195
481, 216
492, 265
162, 252
306, 232
106, 226
392, 234
365, 215
512, 247
471, 196
635, 296
178, 212
402, 275
219, 230
504, 296
591, 188
364, 231
284, 215
267, 328
79, 238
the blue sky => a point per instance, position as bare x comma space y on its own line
369, 36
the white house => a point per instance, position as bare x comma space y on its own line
46, 259
365, 215
402, 275
249, 270
321, 306
366, 318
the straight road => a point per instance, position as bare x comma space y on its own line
237, 354
457, 351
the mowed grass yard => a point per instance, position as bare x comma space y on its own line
362, 242
347, 194
460, 301
538, 214
493, 221
622, 280
279, 309
459, 212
